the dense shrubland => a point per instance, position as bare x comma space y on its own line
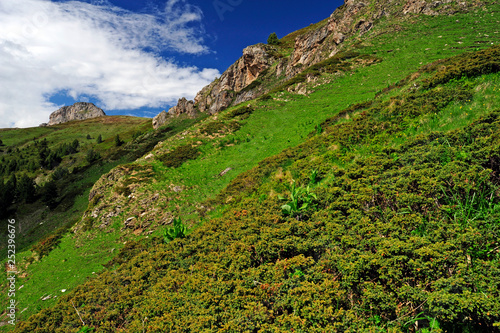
401, 234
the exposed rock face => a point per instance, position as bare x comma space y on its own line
183, 107
320, 44
77, 111
219, 94
227, 89
160, 119
306, 48
353, 18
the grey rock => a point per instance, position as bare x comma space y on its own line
160, 119
77, 111
183, 107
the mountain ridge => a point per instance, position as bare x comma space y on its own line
239, 83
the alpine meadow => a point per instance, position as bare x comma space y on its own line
342, 178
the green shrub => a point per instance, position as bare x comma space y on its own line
50, 193
256, 83
50, 242
465, 65
179, 155
118, 141
243, 112
25, 188
59, 173
213, 127
92, 156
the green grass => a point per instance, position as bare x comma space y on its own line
17, 137
69, 265
74, 254
286, 121
273, 127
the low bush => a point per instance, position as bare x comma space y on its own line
47, 244
243, 112
465, 65
179, 155
219, 127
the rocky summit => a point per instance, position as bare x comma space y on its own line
77, 111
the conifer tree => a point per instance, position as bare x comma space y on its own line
273, 39
49, 194
25, 189
118, 141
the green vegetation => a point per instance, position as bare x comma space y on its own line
118, 141
394, 226
301, 199
60, 196
178, 230
273, 39
179, 155
396, 239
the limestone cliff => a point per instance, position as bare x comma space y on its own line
77, 111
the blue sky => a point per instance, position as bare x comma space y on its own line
128, 57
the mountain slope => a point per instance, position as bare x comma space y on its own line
402, 232
369, 114
266, 67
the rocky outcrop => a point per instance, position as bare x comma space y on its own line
323, 43
160, 119
183, 107
77, 111
353, 18
228, 89
220, 94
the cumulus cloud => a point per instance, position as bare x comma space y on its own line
98, 50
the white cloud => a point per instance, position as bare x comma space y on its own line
95, 50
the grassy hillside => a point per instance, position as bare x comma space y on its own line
401, 232
397, 161
57, 155
43, 226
